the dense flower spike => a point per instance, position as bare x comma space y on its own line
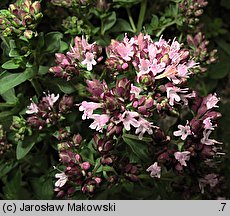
20, 19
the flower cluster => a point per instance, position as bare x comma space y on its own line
195, 136
4, 145
20, 19
117, 107
76, 174
151, 60
82, 55
192, 9
69, 3
148, 83
199, 49
46, 112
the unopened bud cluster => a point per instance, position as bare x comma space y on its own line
80, 57
20, 19
4, 145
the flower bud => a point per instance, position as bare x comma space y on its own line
66, 103
77, 139
36, 6
28, 34
85, 165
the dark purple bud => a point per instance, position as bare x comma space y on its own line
67, 156
77, 139
107, 159
35, 122
66, 103
96, 88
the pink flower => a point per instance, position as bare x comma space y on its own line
135, 90
144, 66
172, 94
32, 108
205, 140
85, 165
152, 51
62, 179
99, 121
88, 108
51, 99
128, 118
145, 126
211, 101
89, 61
182, 70
182, 157
157, 68
208, 124
183, 132
155, 170
125, 51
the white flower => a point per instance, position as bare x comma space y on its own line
32, 108
172, 94
205, 140
88, 108
51, 99
145, 126
155, 170
183, 132
128, 118
89, 61
62, 179
99, 121
182, 157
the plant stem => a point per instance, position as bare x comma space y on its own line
131, 20
141, 15
164, 27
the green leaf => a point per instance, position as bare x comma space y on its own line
10, 80
66, 87
122, 26
24, 147
42, 187
109, 22
219, 70
43, 70
53, 42
138, 147
10, 97
224, 45
154, 22
6, 167
11, 64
